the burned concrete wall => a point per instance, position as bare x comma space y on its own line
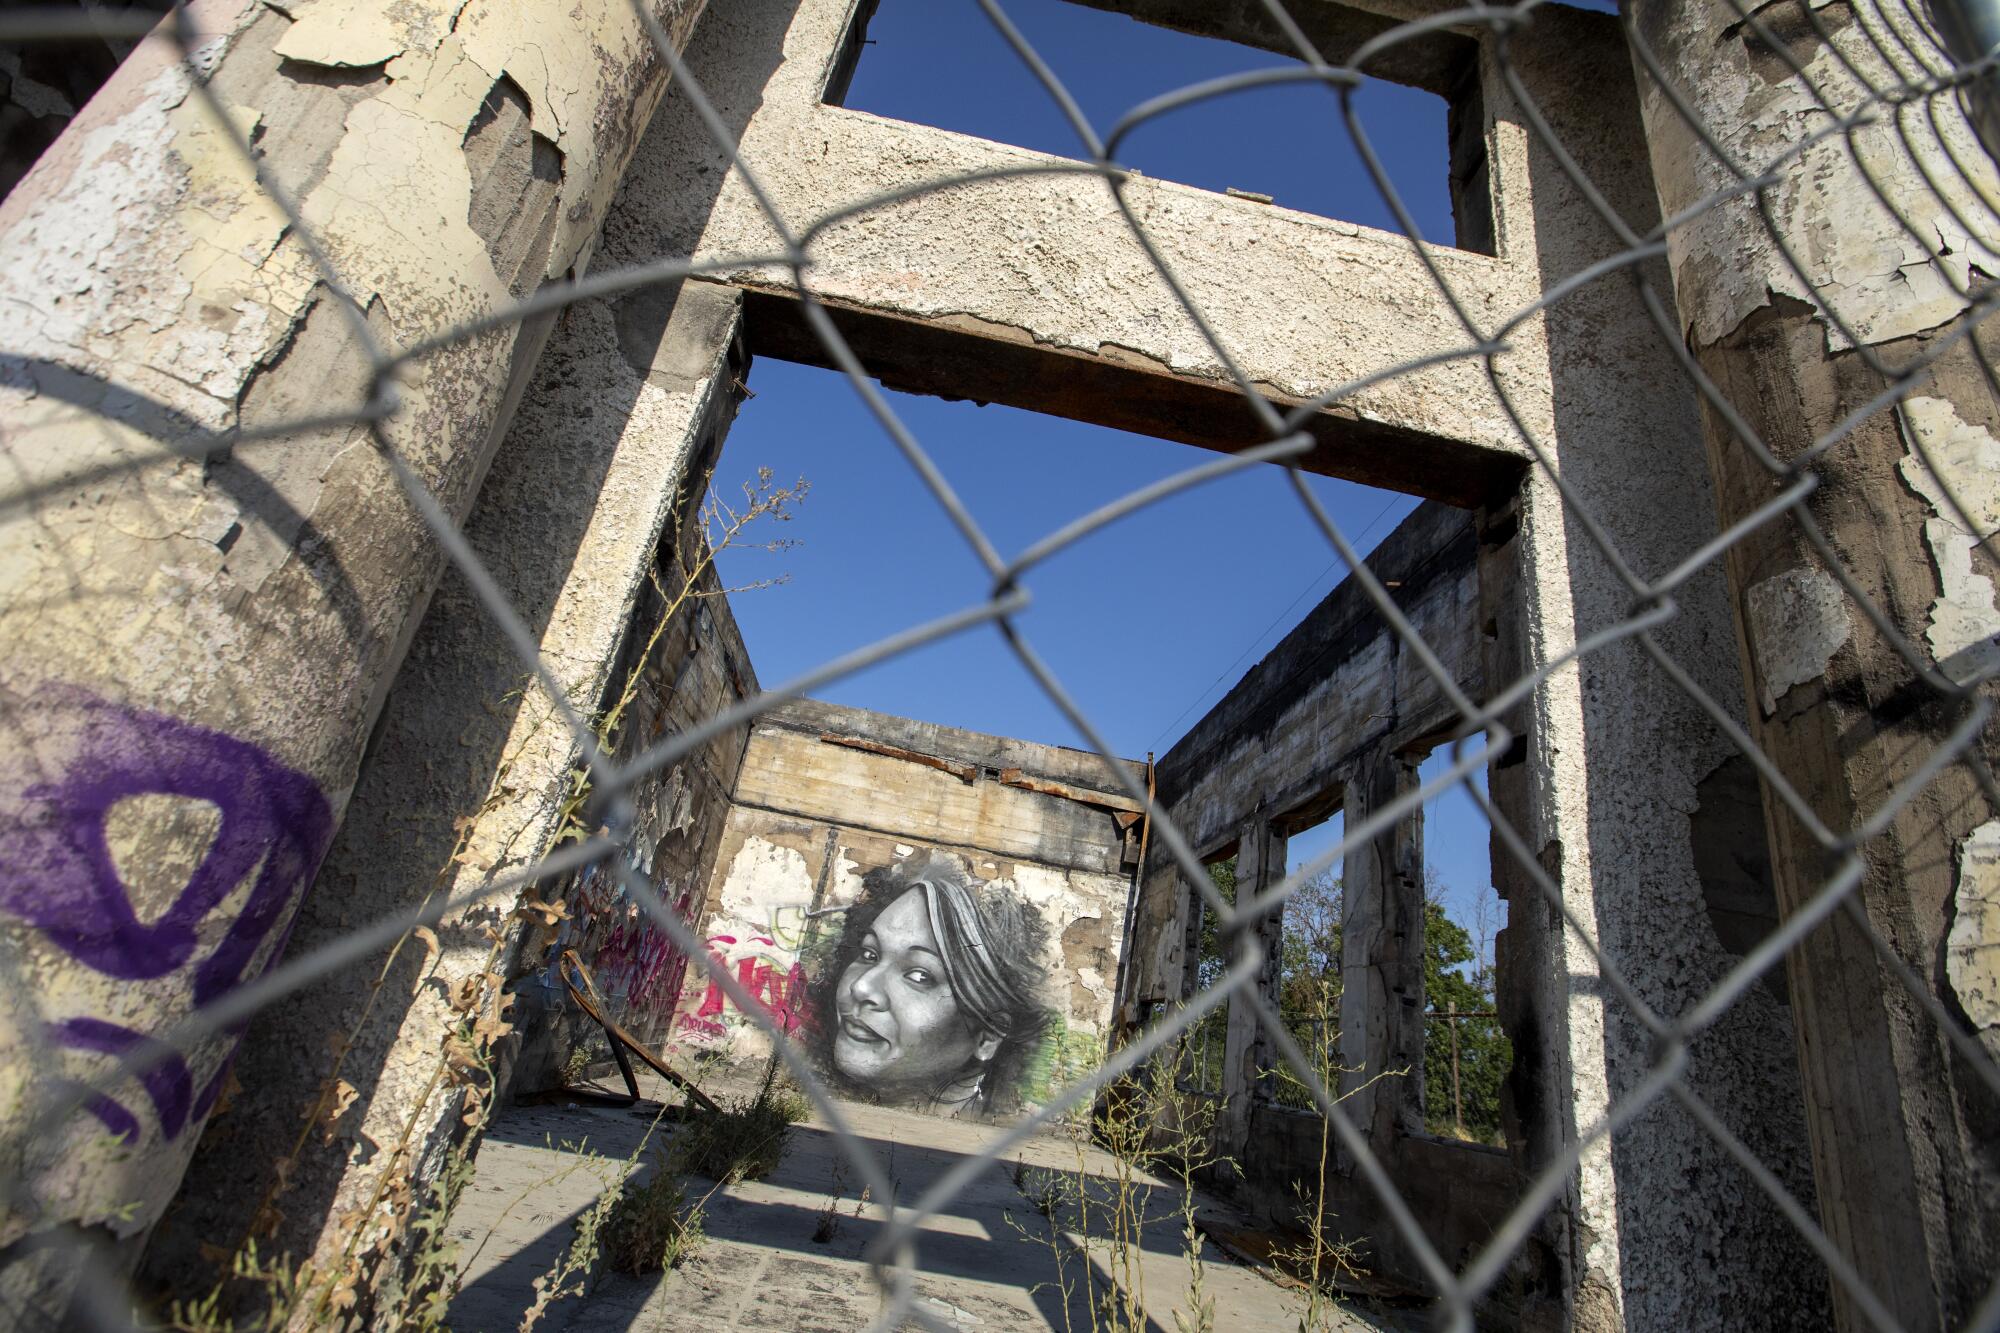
1334, 720
838, 813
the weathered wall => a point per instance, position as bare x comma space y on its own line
1335, 719
199, 637
593, 490
1868, 253
1028, 291
827, 795
699, 668
1627, 767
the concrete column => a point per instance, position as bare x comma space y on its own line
570, 520
1906, 1187
197, 637
1381, 956
1260, 863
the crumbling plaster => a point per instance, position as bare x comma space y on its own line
267, 589
1972, 951
1363, 303
1902, 1186
1955, 466
471, 766
1302, 303
1854, 245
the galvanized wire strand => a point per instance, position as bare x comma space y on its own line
1914, 68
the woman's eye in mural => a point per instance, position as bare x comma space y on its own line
917, 976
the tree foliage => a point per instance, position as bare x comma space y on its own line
1484, 1053
1458, 976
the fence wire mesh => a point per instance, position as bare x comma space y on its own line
1888, 110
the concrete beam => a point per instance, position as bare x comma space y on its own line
1032, 291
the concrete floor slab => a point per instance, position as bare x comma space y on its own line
785, 1253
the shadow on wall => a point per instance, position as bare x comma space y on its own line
1648, 756
435, 756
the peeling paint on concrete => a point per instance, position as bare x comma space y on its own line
1963, 619
1884, 282
1972, 950
1797, 621
353, 36
269, 591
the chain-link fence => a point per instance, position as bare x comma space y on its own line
1857, 134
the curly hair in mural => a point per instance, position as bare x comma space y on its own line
933, 996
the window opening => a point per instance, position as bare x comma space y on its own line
1197, 578
1207, 1041
1466, 1054
1309, 952
946, 66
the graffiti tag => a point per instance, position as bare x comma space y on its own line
781, 994
58, 873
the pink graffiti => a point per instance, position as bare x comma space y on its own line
782, 995
640, 965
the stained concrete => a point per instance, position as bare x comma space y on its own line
1801, 306
761, 1268
256, 593
1031, 291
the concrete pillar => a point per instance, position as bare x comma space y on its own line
1906, 1187
1381, 956
196, 637
570, 521
1247, 1051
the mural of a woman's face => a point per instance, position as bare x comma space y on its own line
899, 1028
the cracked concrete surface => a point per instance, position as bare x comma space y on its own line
270, 586
762, 1269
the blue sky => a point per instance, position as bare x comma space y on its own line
1150, 621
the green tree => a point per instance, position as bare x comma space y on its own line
1484, 1053
1309, 981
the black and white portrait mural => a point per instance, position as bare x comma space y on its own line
913, 976
933, 992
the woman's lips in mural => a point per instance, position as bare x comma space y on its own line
860, 1031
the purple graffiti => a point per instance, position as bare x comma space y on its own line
167, 1083
58, 875
121, 1122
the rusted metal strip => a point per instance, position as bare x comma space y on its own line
1014, 777
967, 773
588, 1000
